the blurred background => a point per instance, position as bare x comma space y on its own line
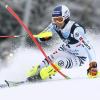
36, 14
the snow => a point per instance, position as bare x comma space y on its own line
75, 89
55, 90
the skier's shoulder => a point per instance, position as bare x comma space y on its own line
78, 24
79, 27
75, 27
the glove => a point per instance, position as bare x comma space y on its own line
92, 70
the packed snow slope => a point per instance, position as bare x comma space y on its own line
78, 88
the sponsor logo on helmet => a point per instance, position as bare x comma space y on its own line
57, 11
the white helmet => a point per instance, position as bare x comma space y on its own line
61, 10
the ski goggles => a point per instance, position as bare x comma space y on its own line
57, 19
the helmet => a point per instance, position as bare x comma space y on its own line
62, 11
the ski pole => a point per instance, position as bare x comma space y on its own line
11, 36
40, 35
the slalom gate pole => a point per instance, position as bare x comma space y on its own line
11, 11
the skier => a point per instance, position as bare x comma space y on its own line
74, 51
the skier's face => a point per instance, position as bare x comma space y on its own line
59, 21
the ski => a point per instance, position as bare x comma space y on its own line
9, 84
12, 83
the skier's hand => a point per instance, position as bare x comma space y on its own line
92, 70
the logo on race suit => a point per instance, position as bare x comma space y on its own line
61, 63
76, 34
